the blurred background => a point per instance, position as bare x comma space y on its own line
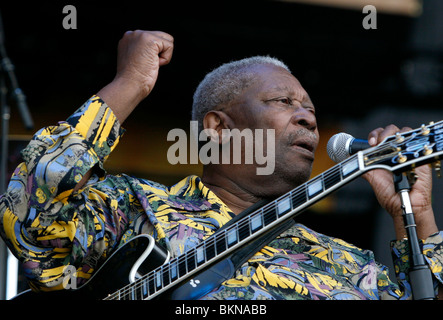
359, 79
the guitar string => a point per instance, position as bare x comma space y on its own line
187, 255
332, 173
159, 273
151, 276
210, 242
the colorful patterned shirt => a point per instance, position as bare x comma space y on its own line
48, 226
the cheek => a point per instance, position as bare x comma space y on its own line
275, 137
266, 119
246, 119
272, 119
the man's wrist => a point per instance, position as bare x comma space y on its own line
122, 95
425, 225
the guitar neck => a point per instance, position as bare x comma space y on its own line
398, 152
252, 226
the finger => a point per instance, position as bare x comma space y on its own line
405, 129
165, 43
377, 175
378, 135
150, 36
373, 136
163, 35
165, 55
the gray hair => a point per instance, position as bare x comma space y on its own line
225, 83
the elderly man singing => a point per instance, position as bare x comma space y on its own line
63, 212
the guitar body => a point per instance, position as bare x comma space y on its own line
137, 257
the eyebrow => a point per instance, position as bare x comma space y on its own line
305, 97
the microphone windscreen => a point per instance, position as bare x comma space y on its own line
338, 146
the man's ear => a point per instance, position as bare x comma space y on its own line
216, 121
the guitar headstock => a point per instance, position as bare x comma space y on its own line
408, 150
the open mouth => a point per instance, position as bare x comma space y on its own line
304, 147
305, 144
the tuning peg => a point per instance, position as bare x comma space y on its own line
401, 158
437, 168
427, 150
424, 130
399, 137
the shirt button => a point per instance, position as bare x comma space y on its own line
110, 142
430, 254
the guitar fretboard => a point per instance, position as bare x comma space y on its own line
245, 230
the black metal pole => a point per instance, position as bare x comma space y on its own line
3, 171
7, 73
16, 92
419, 274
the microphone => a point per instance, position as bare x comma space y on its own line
343, 145
7, 66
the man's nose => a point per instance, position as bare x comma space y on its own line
304, 118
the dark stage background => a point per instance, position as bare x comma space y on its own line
358, 79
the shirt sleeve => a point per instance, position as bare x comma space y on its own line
433, 254
47, 226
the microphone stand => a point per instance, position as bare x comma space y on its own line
7, 72
7, 68
419, 272
5, 115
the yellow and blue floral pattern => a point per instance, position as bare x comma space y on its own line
48, 225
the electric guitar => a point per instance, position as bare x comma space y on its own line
141, 270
